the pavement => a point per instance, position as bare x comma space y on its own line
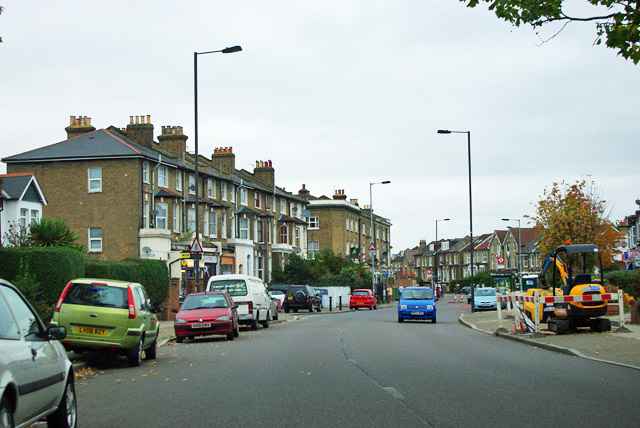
620, 346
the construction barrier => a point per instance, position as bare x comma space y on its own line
522, 321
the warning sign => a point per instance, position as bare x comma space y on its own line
195, 246
372, 247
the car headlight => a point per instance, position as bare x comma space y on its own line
430, 307
403, 306
224, 318
180, 321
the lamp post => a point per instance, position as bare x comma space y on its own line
435, 253
445, 131
195, 100
519, 252
373, 268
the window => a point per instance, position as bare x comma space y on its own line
260, 261
259, 231
213, 224
314, 223
223, 191
95, 180
34, 215
313, 247
179, 180
284, 234
232, 196
145, 214
211, 188
176, 217
145, 172
224, 225
191, 220
347, 224
192, 184
283, 206
10, 329
256, 199
163, 177
244, 228
161, 216
267, 202
243, 196
297, 243
444, 246
27, 321
206, 222
24, 213
95, 239
233, 226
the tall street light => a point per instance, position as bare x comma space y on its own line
444, 131
373, 268
435, 254
519, 252
195, 100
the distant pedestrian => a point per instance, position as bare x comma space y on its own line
400, 290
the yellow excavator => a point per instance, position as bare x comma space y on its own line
574, 267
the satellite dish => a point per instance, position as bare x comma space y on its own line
146, 250
637, 201
154, 212
306, 213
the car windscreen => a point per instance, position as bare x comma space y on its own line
233, 287
276, 293
417, 295
204, 301
485, 292
360, 293
97, 295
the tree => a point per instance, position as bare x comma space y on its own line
17, 236
52, 233
576, 214
618, 27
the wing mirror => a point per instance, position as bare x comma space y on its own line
56, 333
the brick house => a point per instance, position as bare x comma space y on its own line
126, 195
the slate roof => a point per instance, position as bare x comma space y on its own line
99, 144
17, 186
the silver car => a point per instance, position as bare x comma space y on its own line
36, 376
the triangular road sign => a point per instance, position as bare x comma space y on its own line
195, 246
372, 247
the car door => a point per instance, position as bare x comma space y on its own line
145, 314
37, 367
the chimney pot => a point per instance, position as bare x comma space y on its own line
72, 120
148, 118
130, 120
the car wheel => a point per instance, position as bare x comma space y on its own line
295, 310
400, 319
319, 308
66, 415
375, 307
286, 310
6, 414
135, 355
179, 339
150, 352
254, 324
311, 308
230, 335
371, 307
265, 323
433, 320
276, 316
236, 331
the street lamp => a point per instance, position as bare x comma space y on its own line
195, 100
373, 268
519, 252
444, 131
435, 253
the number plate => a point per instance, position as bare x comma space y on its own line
417, 313
290, 297
92, 330
201, 325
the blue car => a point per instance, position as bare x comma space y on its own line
484, 298
417, 303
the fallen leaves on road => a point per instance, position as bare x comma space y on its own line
83, 372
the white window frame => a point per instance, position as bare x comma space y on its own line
93, 239
145, 215
192, 183
176, 217
145, 172
232, 196
243, 226
191, 220
223, 190
283, 206
94, 180
35, 214
179, 180
162, 220
313, 247
243, 196
213, 224
285, 234
163, 177
24, 213
224, 225
313, 223
211, 188
256, 199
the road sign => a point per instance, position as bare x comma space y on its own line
429, 271
195, 246
372, 247
185, 255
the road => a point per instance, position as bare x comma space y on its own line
360, 369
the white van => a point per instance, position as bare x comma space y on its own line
249, 293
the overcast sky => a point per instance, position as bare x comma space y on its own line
339, 94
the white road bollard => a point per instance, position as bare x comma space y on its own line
620, 309
536, 311
499, 306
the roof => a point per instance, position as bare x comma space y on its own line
99, 144
22, 186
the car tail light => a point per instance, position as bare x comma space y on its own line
307, 298
62, 296
132, 304
250, 307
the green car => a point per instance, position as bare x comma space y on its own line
106, 315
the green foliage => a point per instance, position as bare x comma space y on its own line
482, 279
53, 233
152, 274
618, 26
627, 280
16, 236
51, 268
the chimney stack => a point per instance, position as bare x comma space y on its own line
173, 140
354, 201
304, 193
265, 172
78, 126
339, 195
141, 131
224, 160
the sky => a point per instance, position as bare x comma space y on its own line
340, 94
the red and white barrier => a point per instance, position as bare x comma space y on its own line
518, 298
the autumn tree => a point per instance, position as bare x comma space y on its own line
618, 26
575, 213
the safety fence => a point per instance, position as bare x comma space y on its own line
515, 306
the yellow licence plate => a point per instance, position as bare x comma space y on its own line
92, 330
290, 297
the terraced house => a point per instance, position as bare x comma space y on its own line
126, 195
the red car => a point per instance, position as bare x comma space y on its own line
362, 298
203, 314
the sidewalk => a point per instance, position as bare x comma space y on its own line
620, 348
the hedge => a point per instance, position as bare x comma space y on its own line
152, 274
627, 280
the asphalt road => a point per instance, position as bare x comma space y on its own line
360, 369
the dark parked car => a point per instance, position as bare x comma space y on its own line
302, 297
